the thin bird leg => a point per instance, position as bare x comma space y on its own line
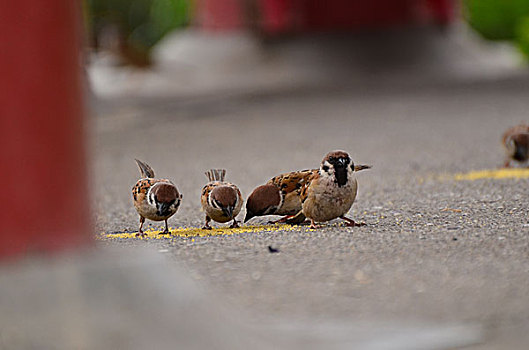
206, 225
140, 230
351, 222
166, 231
235, 224
313, 224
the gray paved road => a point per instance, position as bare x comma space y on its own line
413, 262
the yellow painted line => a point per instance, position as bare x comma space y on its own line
198, 232
505, 173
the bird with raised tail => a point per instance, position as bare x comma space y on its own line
516, 143
331, 191
154, 199
221, 201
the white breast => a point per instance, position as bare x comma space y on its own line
327, 201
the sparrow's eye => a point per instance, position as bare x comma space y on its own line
325, 168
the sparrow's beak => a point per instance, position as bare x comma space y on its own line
248, 216
228, 211
341, 162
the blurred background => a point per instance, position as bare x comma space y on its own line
211, 46
132, 29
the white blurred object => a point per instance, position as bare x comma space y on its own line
195, 63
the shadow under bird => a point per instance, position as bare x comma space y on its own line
331, 191
221, 201
154, 199
516, 143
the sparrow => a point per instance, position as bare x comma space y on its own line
221, 201
516, 142
281, 195
154, 199
331, 191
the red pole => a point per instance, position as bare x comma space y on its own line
43, 194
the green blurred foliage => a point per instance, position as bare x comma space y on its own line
522, 35
138, 24
500, 20
496, 19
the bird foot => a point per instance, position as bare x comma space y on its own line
166, 232
206, 227
234, 225
141, 234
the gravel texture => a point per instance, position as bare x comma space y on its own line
434, 249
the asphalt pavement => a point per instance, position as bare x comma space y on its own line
436, 252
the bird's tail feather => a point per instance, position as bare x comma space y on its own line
216, 174
145, 170
362, 167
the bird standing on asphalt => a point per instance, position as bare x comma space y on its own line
516, 142
221, 201
154, 199
331, 191
281, 195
